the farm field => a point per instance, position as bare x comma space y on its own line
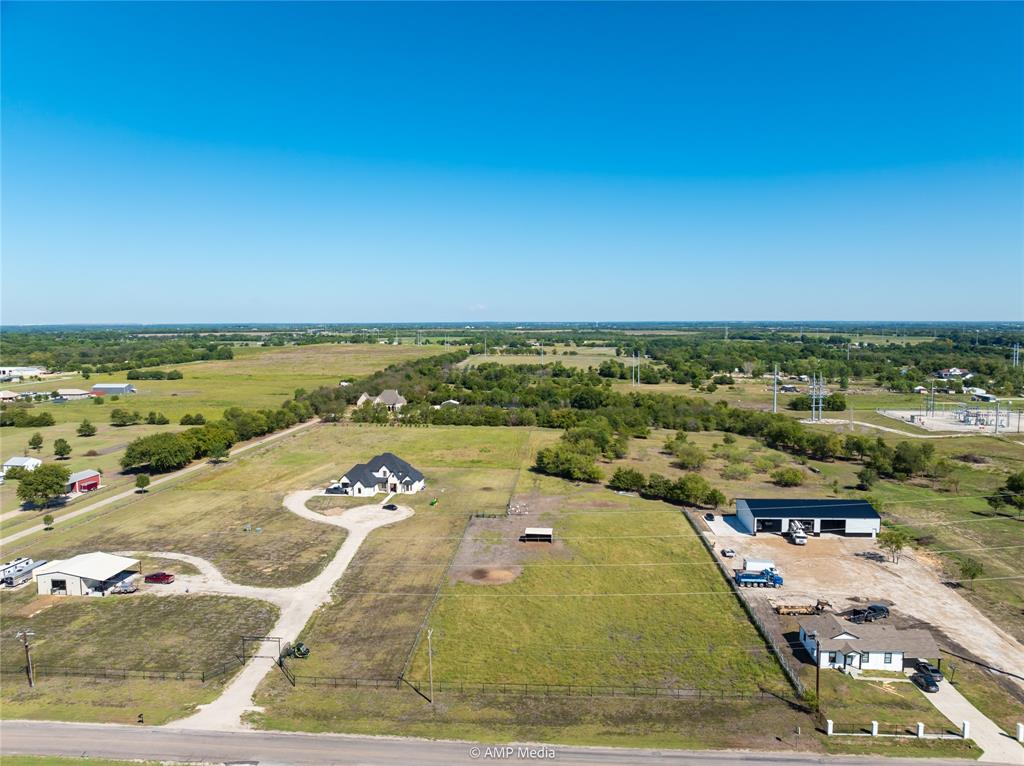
256, 378
581, 357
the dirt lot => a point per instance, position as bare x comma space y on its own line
852, 571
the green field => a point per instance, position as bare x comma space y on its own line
256, 378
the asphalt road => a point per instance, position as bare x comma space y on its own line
255, 747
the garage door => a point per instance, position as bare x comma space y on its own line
836, 526
769, 525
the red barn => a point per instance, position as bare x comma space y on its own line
83, 481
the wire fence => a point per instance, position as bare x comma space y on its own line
769, 637
125, 674
580, 690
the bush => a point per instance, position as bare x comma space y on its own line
690, 457
157, 419
569, 463
86, 429
192, 420
627, 480
120, 418
736, 472
788, 477
97, 400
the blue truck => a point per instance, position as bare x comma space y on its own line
766, 578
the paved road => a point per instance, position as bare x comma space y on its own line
996, 745
166, 744
156, 482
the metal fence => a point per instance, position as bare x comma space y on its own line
581, 690
335, 682
125, 674
777, 651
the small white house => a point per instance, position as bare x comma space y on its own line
28, 463
384, 473
8, 396
88, 574
870, 646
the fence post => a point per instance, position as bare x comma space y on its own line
829, 727
920, 729
965, 732
1020, 732
874, 728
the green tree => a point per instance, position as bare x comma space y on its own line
788, 477
627, 480
141, 482
42, 485
217, 452
48, 521
715, 498
85, 428
36, 441
61, 448
970, 569
893, 541
867, 477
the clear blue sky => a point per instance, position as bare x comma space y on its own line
202, 162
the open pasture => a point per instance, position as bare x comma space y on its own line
626, 596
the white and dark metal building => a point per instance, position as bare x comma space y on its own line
838, 516
113, 389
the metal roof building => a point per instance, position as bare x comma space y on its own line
835, 515
88, 574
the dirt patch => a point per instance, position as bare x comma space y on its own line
486, 575
37, 605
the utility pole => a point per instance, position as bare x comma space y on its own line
430, 662
997, 417
817, 673
25, 635
775, 390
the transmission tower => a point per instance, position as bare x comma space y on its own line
817, 391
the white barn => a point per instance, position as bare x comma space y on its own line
869, 646
28, 463
384, 473
88, 574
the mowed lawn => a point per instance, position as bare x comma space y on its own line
627, 597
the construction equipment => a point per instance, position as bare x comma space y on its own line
801, 607
767, 578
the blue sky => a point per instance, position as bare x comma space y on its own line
324, 162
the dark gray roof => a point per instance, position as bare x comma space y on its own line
363, 473
869, 637
837, 508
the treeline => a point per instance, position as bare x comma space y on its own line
22, 416
103, 351
170, 451
155, 375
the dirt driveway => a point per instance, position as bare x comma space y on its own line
850, 571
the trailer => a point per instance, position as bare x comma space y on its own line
767, 578
20, 576
801, 607
758, 565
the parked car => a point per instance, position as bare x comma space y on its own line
925, 682
122, 588
709, 517
300, 650
928, 669
334, 489
160, 578
390, 507
728, 552
870, 614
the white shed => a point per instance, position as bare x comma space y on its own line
537, 535
28, 463
88, 574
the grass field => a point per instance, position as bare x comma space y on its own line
173, 633
254, 379
576, 357
204, 515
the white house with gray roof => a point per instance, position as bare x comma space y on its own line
384, 473
868, 646
389, 398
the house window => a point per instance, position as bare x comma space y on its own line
888, 658
865, 658
831, 658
